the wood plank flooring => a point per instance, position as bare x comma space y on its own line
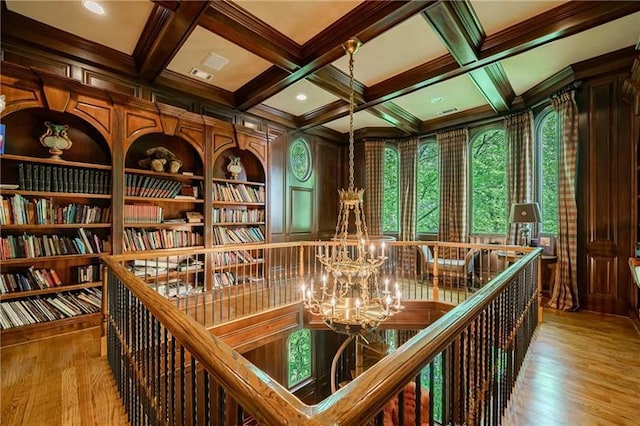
59, 381
582, 369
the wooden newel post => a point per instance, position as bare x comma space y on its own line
435, 272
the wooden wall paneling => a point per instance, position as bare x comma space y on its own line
604, 196
117, 177
300, 195
20, 56
329, 170
112, 84
138, 122
22, 90
276, 179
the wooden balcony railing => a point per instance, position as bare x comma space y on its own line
170, 369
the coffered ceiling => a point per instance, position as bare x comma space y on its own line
421, 61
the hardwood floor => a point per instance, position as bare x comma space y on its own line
59, 381
582, 369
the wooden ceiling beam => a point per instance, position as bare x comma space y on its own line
397, 117
565, 20
365, 21
245, 30
331, 111
171, 37
336, 82
460, 31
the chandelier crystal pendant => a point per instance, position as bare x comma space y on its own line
350, 300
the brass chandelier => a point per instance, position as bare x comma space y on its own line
350, 300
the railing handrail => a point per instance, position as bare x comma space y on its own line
272, 403
261, 246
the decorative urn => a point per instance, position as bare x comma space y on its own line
56, 139
234, 167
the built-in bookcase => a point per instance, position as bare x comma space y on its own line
56, 217
238, 217
163, 210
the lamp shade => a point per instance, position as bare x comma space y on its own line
525, 213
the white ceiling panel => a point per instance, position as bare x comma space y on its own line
242, 66
530, 68
498, 15
458, 92
286, 99
118, 29
361, 119
405, 46
298, 20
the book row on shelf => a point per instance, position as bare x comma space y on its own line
41, 177
142, 239
175, 287
33, 279
238, 215
233, 258
19, 210
228, 279
238, 193
143, 213
89, 273
49, 308
157, 267
153, 187
224, 279
238, 235
27, 246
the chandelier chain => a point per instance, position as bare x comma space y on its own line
351, 108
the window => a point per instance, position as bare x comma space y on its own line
548, 137
489, 182
390, 211
300, 159
428, 186
299, 349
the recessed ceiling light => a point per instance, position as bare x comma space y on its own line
437, 99
301, 97
94, 7
200, 74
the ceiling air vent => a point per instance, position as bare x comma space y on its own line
448, 111
200, 74
215, 62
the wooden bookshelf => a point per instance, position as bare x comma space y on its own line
67, 163
39, 292
44, 194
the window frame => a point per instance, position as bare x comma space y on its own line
423, 142
473, 136
396, 152
539, 178
302, 382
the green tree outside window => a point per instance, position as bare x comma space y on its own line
548, 136
299, 349
428, 186
489, 183
390, 211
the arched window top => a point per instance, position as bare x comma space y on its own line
547, 137
300, 159
299, 352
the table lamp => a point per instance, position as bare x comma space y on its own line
525, 213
